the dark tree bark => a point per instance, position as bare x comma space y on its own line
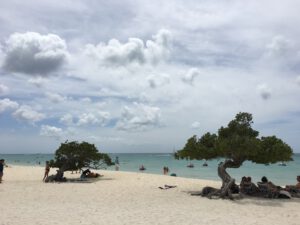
228, 183
59, 176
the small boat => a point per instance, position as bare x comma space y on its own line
282, 164
142, 168
205, 164
191, 165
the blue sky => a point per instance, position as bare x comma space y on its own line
141, 76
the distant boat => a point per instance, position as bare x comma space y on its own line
142, 168
191, 165
282, 164
205, 164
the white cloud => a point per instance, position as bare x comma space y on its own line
7, 104
26, 113
33, 53
158, 80
93, 119
51, 131
37, 81
298, 80
233, 51
135, 51
67, 119
55, 98
264, 91
140, 117
279, 46
86, 100
196, 125
190, 76
3, 89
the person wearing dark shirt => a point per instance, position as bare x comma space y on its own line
1, 169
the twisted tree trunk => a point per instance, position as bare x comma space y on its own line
59, 176
227, 181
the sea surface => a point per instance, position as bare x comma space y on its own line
154, 163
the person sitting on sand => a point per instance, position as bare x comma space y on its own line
47, 170
88, 174
295, 188
93, 175
247, 187
85, 173
270, 185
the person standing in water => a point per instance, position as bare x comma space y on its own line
47, 170
117, 164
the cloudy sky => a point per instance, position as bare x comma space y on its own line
143, 76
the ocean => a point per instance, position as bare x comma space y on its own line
154, 163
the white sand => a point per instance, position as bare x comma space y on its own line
129, 198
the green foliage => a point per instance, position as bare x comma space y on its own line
204, 148
238, 142
272, 150
75, 156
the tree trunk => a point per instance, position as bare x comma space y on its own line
227, 181
59, 176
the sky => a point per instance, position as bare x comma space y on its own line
144, 76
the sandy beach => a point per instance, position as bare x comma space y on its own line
129, 198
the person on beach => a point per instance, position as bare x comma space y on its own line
165, 170
117, 164
2, 161
142, 168
294, 187
247, 187
264, 180
47, 170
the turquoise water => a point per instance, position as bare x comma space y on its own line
154, 163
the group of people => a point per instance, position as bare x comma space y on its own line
268, 188
165, 170
89, 174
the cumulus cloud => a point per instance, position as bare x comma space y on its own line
158, 80
67, 119
196, 125
264, 91
37, 81
139, 117
279, 46
190, 76
26, 113
51, 131
99, 118
7, 104
3, 89
33, 53
55, 98
135, 51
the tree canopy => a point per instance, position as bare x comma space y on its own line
238, 141
75, 156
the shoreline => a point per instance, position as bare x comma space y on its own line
154, 163
129, 198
